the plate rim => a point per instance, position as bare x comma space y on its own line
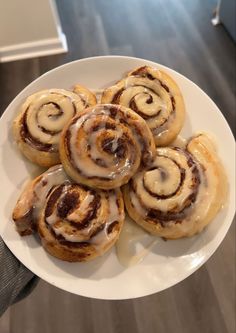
58, 68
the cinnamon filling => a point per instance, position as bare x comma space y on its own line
63, 241
164, 176
91, 214
134, 107
116, 97
68, 203
65, 206
119, 149
177, 214
52, 200
112, 146
143, 72
44, 130
114, 111
28, 138
112, 226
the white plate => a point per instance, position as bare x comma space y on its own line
168, 262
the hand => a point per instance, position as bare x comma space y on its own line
16, 281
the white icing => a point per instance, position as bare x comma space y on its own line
67, 232
114, 215
108, 208
119, 133
34, 195
165, 179
181, 195
83, 162
52, 219
54, 176
64, 228
134, 243
140, 96
43, 113
25, 201
208, 198
95, 153
113, 209
134, 200
141, 88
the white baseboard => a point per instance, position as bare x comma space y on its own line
34, 49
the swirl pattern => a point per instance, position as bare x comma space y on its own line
104, 146
38, 126
78, 223
155, 97
180, 193
28, 207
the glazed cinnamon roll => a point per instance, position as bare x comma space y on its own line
43, 115
155, 96
78, 223
103, 146
29, 205
181, 192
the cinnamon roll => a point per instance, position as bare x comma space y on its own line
29, 205
42, 117
155, 96
181, 192
79, 223
103, 146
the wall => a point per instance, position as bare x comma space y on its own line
29, 28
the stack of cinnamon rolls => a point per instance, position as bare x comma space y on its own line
113, 157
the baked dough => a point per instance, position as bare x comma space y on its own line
104, 145
79, 223
155, 96
181, 193
29, 205
37, 127
74, 222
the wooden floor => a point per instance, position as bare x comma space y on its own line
178, 34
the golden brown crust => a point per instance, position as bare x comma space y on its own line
22, 213
87, 95
155, 96
44, 159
